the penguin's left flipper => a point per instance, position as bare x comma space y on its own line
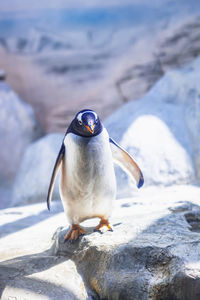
126, 161
55, 171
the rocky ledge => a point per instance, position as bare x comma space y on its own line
153, 253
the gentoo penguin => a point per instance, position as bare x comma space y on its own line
87, 181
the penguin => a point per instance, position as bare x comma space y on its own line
87, 180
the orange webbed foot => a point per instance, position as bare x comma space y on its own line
103, 226
73, 233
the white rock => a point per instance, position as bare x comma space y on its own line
161, 130
27, 269
33, 178
18, 128
182, 87
153, 252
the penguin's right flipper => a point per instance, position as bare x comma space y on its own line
55, 171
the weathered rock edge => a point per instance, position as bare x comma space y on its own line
160, 262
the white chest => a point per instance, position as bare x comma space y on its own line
89, 167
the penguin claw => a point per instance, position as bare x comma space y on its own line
73, 233
97, 230
103, 226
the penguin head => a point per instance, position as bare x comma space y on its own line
86, 123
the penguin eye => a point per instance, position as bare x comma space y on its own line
96, 121
80, 122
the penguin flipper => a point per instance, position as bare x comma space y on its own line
126, 161
53, 176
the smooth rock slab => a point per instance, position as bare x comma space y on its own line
27, 268
18, 128
161, 130
153, 252
33, 177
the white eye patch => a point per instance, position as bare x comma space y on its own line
79, 117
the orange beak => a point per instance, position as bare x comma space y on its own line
90, 128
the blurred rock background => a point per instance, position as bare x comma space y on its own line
137, 63
63, 57
60, 58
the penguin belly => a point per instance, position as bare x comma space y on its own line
87, 182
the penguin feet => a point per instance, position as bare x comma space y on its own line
103, 226
73, 234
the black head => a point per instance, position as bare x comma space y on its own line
86, 123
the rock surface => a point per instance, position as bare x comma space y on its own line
99, 68
18, 128
162, 129
153, 252
33, 177
173, 47
27, 268
120, 70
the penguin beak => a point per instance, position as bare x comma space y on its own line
90, 128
